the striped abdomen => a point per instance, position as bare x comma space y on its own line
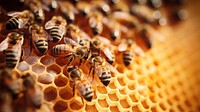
54, 33
12, 57
104, 75
61, 49
12, 23
41, 45
85, 90
127, 57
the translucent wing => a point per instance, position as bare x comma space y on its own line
85, 35
107, 52
122, 47
22, 23
4, 44
112, 68
139, 51
103, 40
61, 30
14, 13
70, 41
49, 24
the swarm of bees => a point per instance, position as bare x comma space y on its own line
86, 34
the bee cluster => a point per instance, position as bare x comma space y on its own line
92, 37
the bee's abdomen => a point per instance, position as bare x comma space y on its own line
12, 23
42, 46
105, 77
127, 58
11, 58
54, 33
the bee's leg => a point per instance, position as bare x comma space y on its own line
80, 62
71, 58
73, 90
82, 100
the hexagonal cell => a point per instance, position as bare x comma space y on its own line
133, 98
46, 78
121, 81
124, 103
50, 93
61, 81
31, 60
153, 109
54, 69
61, 61
60, 106
135, 108
131, 86
114, 109
66, 93
113, 97
120, 69
103, 103
76, 105
102, 89
144, 104
112, 85
23, 66
47, 60
91, 108
38, 69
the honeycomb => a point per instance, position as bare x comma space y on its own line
166, 79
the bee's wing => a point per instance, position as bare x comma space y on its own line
22, 23
112, 68
4, 44
14, 13
103, 40
139, 51
49, 24
85, 36
70, 41
107, 52
122, 47
62, 30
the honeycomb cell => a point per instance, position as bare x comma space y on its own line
121, 81
76, 105
133, 97
47, 60
61, 61
32, 60
23, 66
103, 103
124, 103
38, 69
50, 93
112, 85
45, 78
60, 106
91, 108
54, 69
60, 81
135, 108
102, 89
131, 86
66, 93
113, 97
120, 69
144, 104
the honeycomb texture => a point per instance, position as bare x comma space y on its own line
167, 79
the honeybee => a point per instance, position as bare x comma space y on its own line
36, 7
32, 91
101, 6
68, 10
56, 27
126, 45
9, 81
78, 35
95, 22
39, 37
12, 48
101, 68
84, 7
145, 36
79, 82
50, 4
19, 19
98, 44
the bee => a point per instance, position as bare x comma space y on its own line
36, 7
32, 91
78, 35
56, 27
39, 37
12, 48
146, 34
76, 76
126, 45
84, 8
97, 47
101, 6
95, 22
50, 4
19, 19
101, 68
9, 81
68, 10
